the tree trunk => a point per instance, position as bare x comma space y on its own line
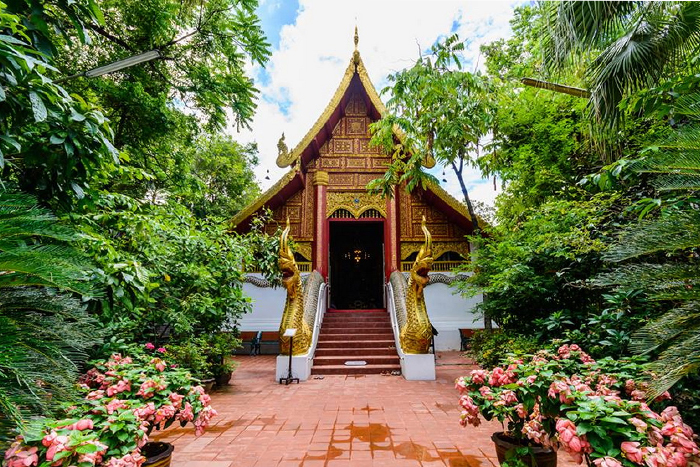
465, 193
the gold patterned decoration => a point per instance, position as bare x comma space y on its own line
355, 202
304, 249
439, 248
321, 178
356, 66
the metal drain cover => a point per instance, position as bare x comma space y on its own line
356, 363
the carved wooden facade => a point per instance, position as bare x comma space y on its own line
330, 168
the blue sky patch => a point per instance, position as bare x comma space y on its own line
274, 14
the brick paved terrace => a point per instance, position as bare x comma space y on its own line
370, 420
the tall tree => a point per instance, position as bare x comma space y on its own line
442, 112
220, 180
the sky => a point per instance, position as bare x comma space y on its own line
312, 44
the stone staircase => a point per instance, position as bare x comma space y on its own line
355, 336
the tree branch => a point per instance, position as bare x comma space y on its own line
104, 33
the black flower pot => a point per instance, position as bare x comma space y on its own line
539, 457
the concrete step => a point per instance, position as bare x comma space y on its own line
333, 319
358, 322
352, 351
327, 331
354, 370
323, 337
340, 344
370, 359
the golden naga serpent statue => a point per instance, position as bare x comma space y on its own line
416, 334
293, 316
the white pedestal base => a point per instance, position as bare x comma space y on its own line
301, 367
418, 367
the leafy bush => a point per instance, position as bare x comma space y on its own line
488, 348
607, 332
189, 354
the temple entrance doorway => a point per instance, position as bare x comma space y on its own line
356, 265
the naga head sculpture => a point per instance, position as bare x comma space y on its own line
291, 278
424, 260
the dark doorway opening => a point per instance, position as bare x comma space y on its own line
357, 265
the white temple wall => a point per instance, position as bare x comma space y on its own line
268, 304
449, 312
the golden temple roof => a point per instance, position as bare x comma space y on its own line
356, 66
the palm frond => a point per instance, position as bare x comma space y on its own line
574, 25
670, 233
44, 338
657, 333
639, 42
662, 281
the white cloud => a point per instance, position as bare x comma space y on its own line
314, 51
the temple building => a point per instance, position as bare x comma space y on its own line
353, 239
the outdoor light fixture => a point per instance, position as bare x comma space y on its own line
357, 254
444, 180
267, 175
121, 64
116, 66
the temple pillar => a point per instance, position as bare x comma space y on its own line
321, 228
391, 240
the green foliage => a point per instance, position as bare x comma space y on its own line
529, 269
190, 354
159, 109
51, 142
442, 113
264, 248
489, 348
539, 148
161, 266
219, 180
606, 332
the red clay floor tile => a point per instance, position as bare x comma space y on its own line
363, 421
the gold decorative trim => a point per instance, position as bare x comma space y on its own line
304, 249
452, 201
438, 248
262, 199
355, 202
321, 178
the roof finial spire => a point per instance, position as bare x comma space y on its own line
357, 37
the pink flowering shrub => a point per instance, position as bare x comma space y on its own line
594, 410
125, 399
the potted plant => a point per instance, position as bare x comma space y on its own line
594, 410
125, 399
192, 355
218, 354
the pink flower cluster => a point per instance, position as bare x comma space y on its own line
575, 445
135, 459
21, 456
533, 428
56, 444
565, 352
470, 412
576, 382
